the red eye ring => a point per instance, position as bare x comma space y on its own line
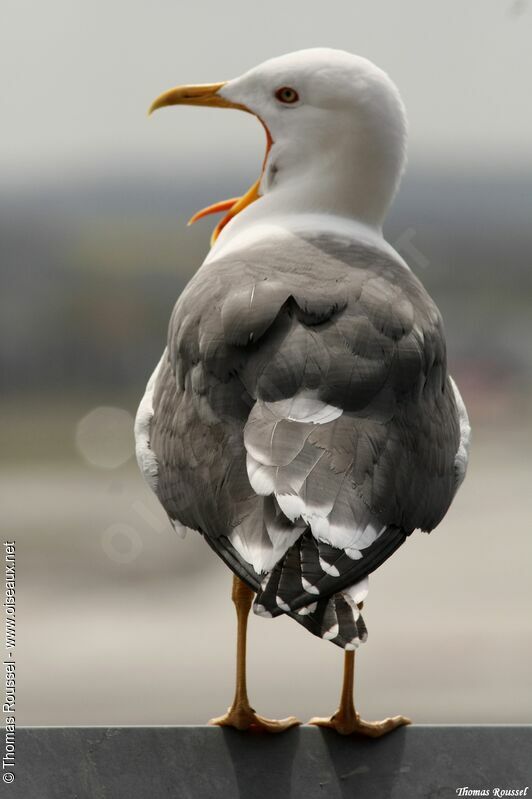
287, 95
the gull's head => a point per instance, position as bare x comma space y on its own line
335, 128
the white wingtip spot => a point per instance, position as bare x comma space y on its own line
260, 610
307, 609
352, 604
282, 604
328, 568
309, 588
331, 633
353, 644
358, 592
354, 554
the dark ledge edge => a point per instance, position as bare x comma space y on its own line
205, 762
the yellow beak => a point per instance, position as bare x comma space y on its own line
208, 95
202, 94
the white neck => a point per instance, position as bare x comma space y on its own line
356, 179
341, 179
252, 228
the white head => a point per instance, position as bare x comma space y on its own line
336, 131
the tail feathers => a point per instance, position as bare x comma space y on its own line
336, 619
320, 616
311, 568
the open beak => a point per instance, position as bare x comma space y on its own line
208, 95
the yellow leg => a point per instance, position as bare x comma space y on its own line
346, 720
241, 715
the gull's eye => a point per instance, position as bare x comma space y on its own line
287, 95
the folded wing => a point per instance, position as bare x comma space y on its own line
305, 418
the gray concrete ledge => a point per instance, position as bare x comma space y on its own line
306, 763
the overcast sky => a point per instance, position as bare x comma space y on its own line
77, 77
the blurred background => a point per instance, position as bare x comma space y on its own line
119, 621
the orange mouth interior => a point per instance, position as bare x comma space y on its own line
234, 205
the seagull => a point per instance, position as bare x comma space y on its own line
302, 418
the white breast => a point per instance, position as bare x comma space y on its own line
145, 456
462, 454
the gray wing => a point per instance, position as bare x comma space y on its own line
302, 416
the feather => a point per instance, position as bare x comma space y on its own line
303, 421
